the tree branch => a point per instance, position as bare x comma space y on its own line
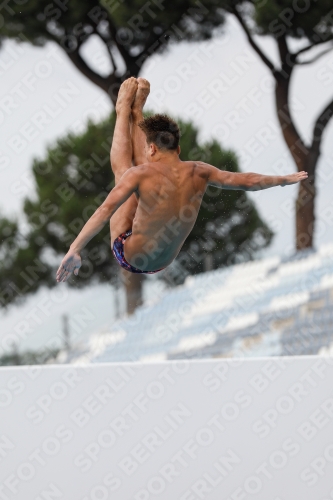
121, 48
296, 146
314, 59
253, 44
104, 83
304, 49
111, 39
283, 49
114, 64
153, 43
82, 66
309, 47
108, 45
320, 125
287, 59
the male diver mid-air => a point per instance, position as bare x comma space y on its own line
154, 204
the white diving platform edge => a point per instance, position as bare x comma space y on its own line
227, 429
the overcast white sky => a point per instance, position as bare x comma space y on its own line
221, 85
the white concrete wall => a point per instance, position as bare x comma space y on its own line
218, 430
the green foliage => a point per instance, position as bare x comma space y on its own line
130, 31
39, 21
311, 19
139, 25
297, 19
19, 261
132, 27
28, 357
73, 180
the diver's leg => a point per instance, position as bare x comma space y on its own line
121, 156
138, 136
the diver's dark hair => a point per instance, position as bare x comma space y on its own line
162, 131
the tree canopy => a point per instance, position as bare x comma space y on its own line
309, 19
310, 22
130, 31
73, 180
133, 30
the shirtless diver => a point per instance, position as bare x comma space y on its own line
154, 204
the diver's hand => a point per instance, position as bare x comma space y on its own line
294, 178
69, 264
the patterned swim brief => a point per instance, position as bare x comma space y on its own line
118, 252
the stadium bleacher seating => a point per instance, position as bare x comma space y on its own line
273, 306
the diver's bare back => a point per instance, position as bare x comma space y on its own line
170, 195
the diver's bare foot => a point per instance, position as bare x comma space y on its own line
126, 95
140, 97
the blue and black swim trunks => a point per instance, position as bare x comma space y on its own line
118, 252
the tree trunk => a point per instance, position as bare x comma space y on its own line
305, 204
133, 286
305, 159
